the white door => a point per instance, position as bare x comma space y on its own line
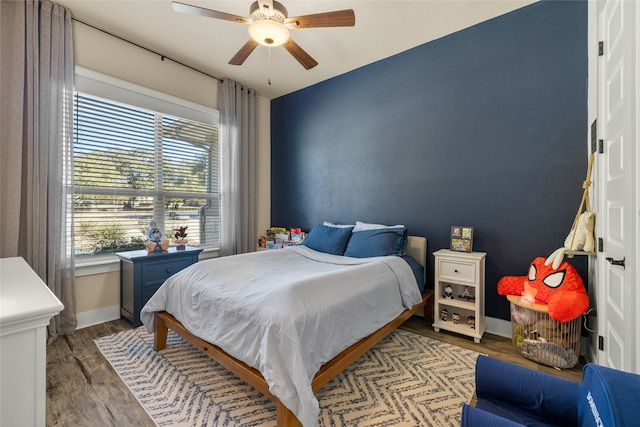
617, 123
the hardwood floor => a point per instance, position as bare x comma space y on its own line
491, 345
84, 390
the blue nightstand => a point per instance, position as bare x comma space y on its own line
142, 273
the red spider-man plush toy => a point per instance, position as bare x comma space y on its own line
561, 289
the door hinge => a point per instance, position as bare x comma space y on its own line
601, 146
600, 342
600, 244
594, 131
600, 48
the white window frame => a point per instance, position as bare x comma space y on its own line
111, 88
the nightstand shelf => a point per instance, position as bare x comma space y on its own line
459, 292
142, 273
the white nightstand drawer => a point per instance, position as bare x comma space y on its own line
458, 271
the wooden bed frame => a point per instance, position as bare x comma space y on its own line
284, 417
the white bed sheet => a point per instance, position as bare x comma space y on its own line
286, 312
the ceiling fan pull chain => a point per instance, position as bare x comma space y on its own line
269, 66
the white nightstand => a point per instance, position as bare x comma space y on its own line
459, 292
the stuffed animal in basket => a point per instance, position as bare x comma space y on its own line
156, 242
560, 288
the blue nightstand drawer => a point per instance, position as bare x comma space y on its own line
155, 273
149, 291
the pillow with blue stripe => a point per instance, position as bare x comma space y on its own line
377, 242
330, 240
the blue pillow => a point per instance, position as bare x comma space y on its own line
330, 240
379, 242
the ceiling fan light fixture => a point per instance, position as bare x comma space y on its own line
269, 32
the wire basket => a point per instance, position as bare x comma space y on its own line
542, 339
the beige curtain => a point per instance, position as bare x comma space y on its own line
238, 135
36, 174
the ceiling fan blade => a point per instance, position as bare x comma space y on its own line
338, 18
209, 13
244, 52
301, 56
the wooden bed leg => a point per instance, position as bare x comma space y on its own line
428, 309
284, 417
160, 337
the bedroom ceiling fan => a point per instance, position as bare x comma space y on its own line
269, 25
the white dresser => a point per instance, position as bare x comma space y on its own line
26, 306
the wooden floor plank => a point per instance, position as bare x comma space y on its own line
84, 390
491, 345
82, 387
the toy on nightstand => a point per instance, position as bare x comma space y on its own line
444, 314
156, 242
181, 238
471, 321
448, 292
466, 295
455, 317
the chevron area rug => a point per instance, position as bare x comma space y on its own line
406, 380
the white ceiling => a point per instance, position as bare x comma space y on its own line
383, 29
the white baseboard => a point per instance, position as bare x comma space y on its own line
498, 327
94, 317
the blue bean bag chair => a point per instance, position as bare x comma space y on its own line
512, 395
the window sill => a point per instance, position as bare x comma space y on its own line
102, 264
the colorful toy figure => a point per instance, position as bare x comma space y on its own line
455, 317
156, 242
466, 295
448, 292
181, 233
561, 289
444, 314
471, 321
181, 238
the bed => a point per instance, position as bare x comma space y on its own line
287, 321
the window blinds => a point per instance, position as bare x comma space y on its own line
132, 165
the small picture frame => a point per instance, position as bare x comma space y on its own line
461, 238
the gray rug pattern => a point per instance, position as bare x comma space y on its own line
406, 380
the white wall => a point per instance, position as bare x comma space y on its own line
101, 52
98, 293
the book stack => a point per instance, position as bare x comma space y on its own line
280, 237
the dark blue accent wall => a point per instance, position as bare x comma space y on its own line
486, 127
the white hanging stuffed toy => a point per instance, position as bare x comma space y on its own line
581, 237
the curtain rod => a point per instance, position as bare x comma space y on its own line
162, 57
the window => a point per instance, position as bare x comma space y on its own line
131, 165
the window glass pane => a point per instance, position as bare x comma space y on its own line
108, 224
113, 144
132, 165
188, 150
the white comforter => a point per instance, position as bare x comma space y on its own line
286, 312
